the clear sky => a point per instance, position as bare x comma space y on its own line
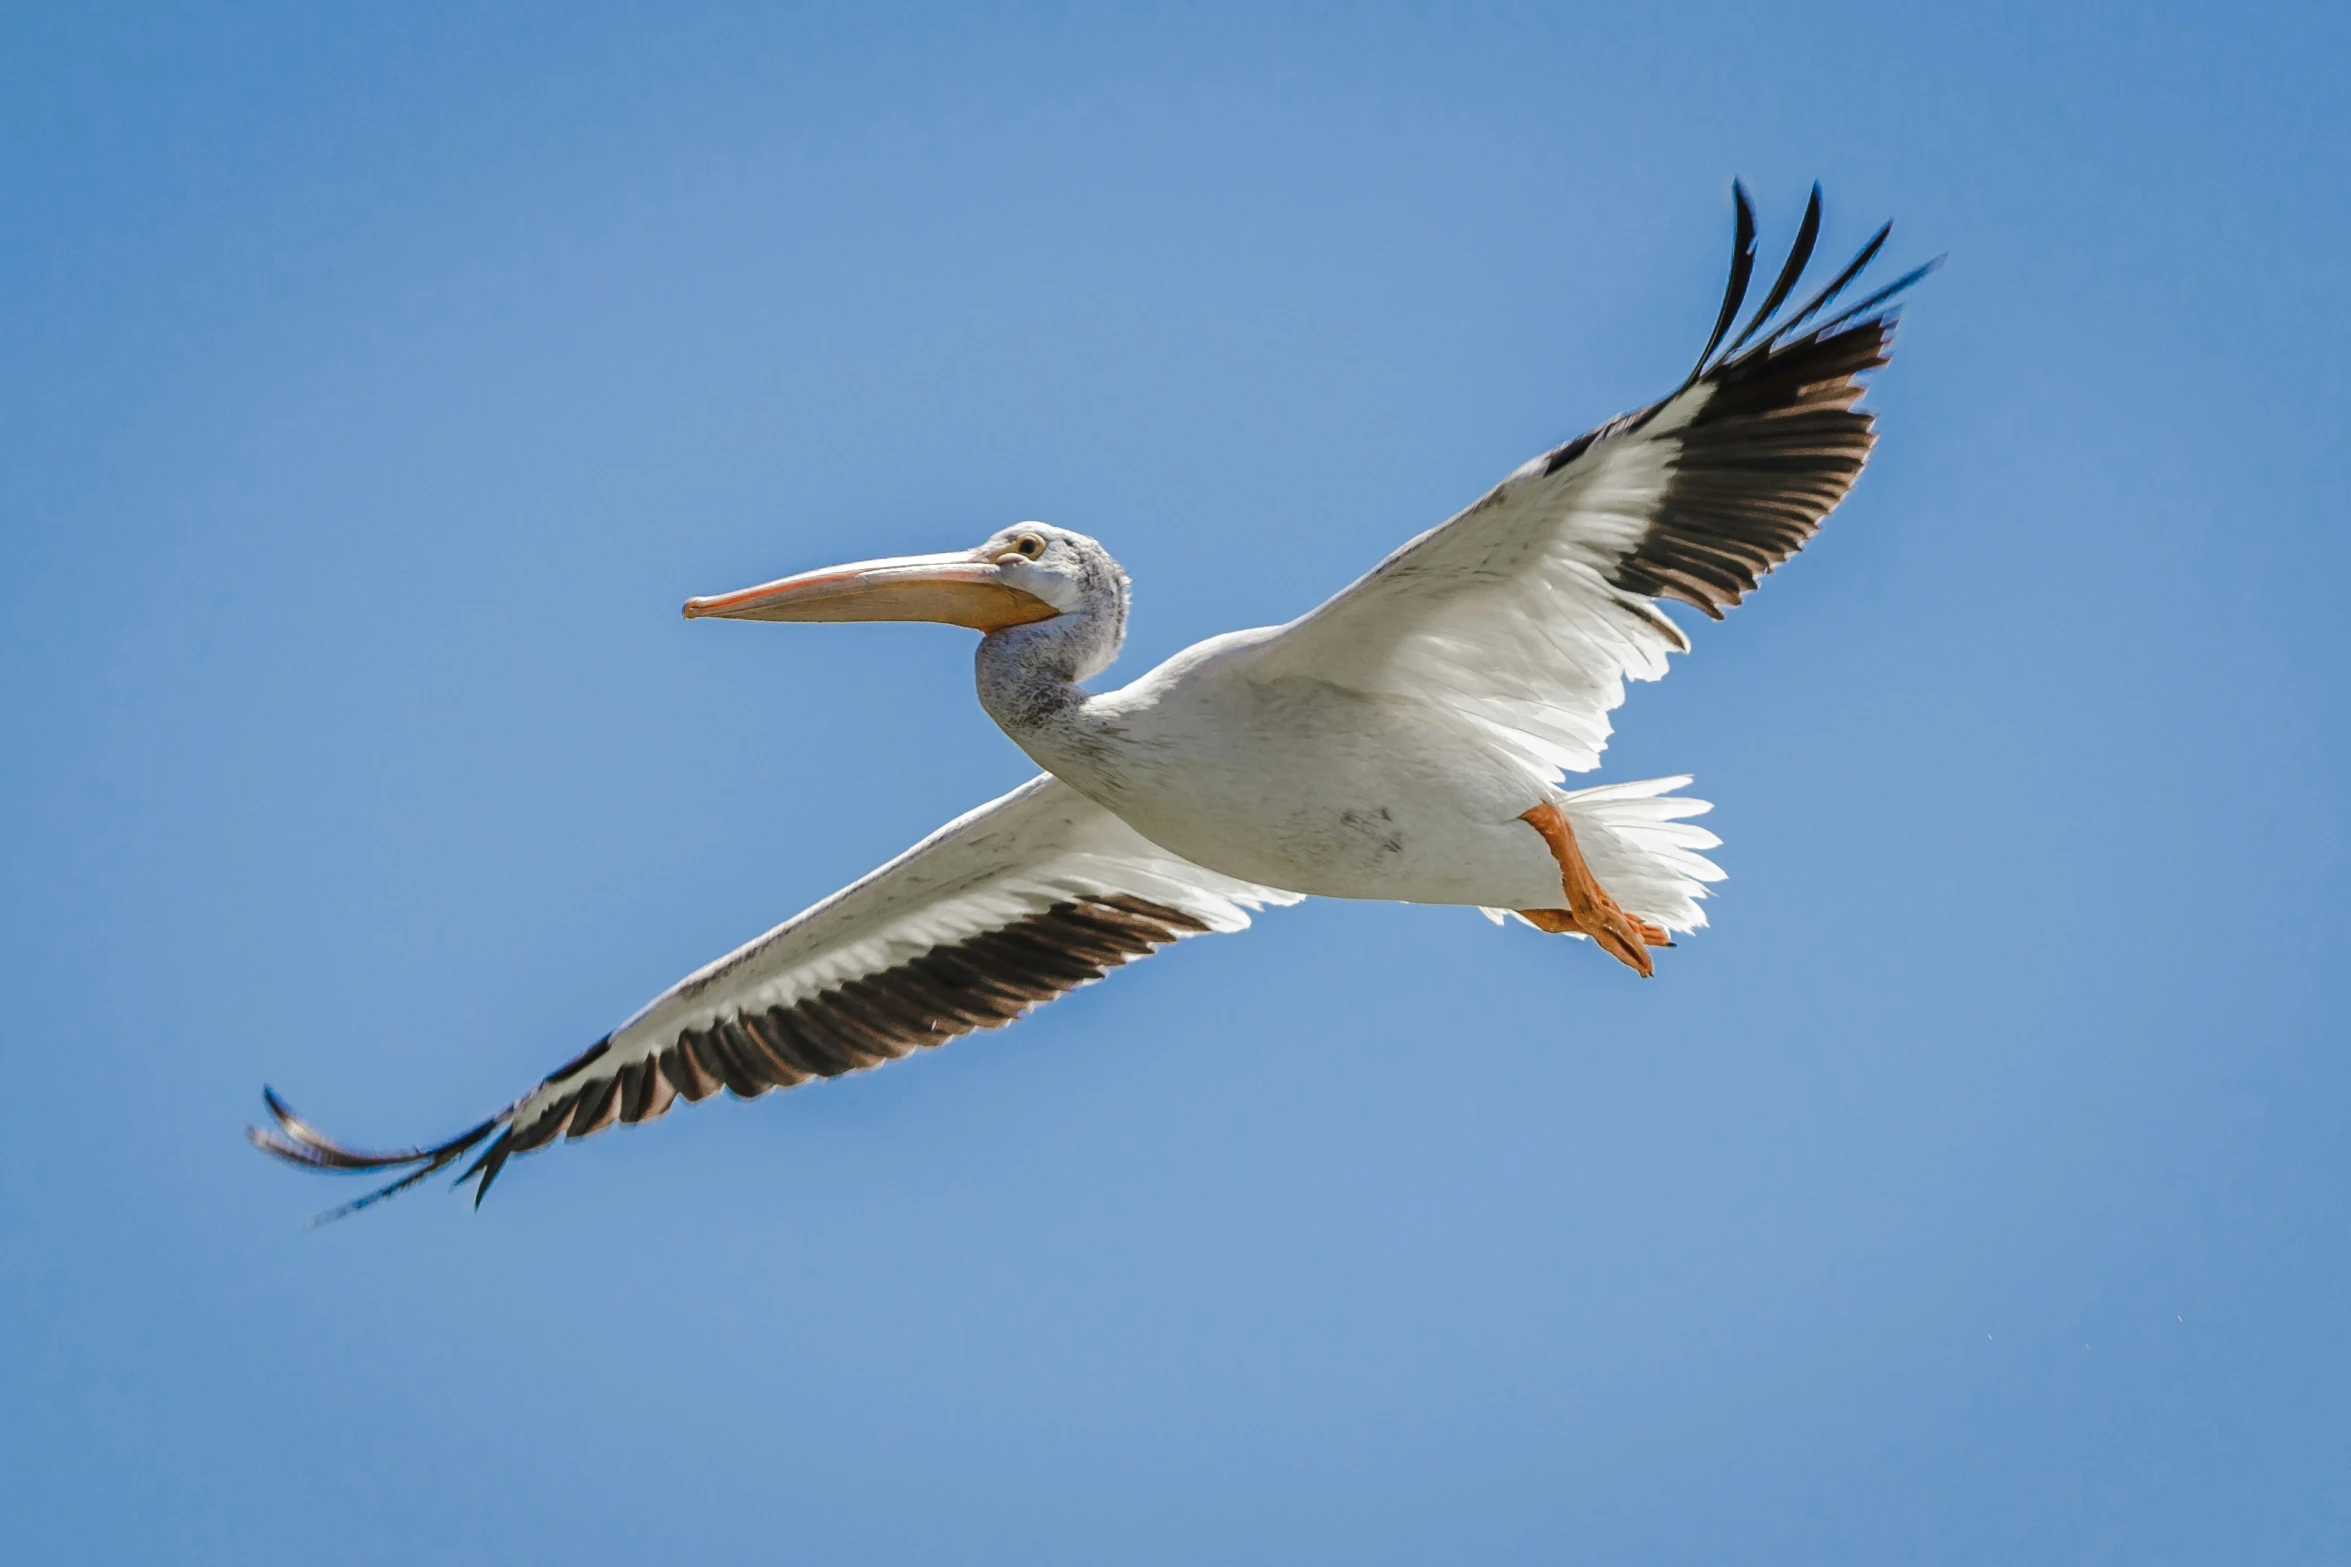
374, 383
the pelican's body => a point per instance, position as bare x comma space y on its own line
1408, 740
1290, 781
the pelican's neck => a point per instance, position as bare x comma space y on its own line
1028, 678
1028, 675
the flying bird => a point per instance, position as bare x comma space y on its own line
1407, 740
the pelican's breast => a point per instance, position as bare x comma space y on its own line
1302, 783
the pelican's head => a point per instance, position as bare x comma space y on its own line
1023, 575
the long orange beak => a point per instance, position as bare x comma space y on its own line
958, 589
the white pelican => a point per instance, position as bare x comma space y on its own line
1406, 741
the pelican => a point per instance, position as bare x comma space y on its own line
1407, 740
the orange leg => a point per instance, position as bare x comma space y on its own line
1589, 907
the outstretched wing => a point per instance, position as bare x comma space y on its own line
1527, 612
1016, 903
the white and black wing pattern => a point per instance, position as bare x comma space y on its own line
1016, 903
1528, 611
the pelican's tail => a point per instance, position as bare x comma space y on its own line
1641, 846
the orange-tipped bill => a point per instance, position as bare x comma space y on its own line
959, 589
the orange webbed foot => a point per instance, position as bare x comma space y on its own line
1589, 907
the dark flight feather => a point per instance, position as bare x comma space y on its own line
1734, 293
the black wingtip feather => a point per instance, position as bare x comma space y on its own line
1799, 257
1922, 270
1836, 285
492, 1160
371, 1199
1742, 270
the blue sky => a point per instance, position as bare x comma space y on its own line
373, 386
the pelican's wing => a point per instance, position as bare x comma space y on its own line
1014, 904
1527, 612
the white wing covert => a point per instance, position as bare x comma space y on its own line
1007, 907
1530, 610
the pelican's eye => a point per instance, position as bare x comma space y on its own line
1028, 546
